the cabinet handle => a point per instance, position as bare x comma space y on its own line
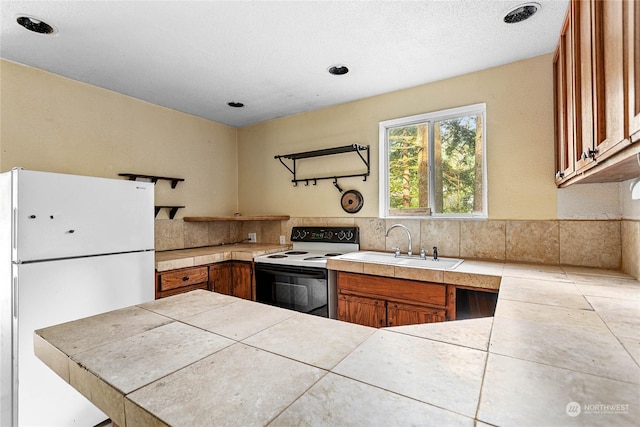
559, 175
589, 153
185, 278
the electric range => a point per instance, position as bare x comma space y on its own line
298, 279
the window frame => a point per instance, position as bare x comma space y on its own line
383, 154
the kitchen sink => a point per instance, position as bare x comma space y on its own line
390, 259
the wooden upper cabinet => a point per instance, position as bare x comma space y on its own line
597, 98
563, 102
583, 84
632, 43
609, 78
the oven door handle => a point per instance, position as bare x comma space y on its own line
291, 272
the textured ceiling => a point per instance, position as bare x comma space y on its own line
195, 56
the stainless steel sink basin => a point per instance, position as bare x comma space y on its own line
414, 261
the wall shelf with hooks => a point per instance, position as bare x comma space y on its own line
360, 150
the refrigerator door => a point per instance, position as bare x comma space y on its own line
61, 216
55, 292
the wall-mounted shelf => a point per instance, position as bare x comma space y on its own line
152, 178
236, 218
353, 148
172, 210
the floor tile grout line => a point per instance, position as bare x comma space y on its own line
484, 372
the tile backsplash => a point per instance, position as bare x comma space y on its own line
610, 244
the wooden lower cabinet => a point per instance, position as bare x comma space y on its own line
182, 280
232, 278
220, 278
242, 280
407, 314
229, 278
382, 301
363, 311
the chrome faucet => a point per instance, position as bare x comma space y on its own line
408, 235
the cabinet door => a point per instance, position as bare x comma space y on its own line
609, 84
583, 84
406, 314
363, 311
242, 280
632, 16
564, 113
220, 278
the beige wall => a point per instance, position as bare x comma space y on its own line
520, 145
55, 124
52, 123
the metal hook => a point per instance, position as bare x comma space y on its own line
335, 183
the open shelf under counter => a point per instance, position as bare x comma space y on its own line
237, 218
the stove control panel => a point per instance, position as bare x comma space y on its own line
326, 234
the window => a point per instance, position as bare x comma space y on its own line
434, 164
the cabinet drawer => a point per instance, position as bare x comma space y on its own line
411, 291
181, 278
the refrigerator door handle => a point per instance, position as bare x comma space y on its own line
15, 297
14, 231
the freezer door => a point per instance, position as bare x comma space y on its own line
60, 216
55, 292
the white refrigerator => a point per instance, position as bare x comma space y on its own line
71, 247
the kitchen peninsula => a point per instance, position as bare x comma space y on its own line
561, 337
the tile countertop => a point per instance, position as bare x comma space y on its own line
562, 349
471, 273
183, 258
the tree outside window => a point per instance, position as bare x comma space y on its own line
433, 164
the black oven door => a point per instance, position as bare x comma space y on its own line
303, 289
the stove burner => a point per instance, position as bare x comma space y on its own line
332, 254
277, 256
311, 258
296, 253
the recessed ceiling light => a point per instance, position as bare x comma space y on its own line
338, 70
520, 13
235, 104
36, 25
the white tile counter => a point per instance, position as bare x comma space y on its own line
559, 336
